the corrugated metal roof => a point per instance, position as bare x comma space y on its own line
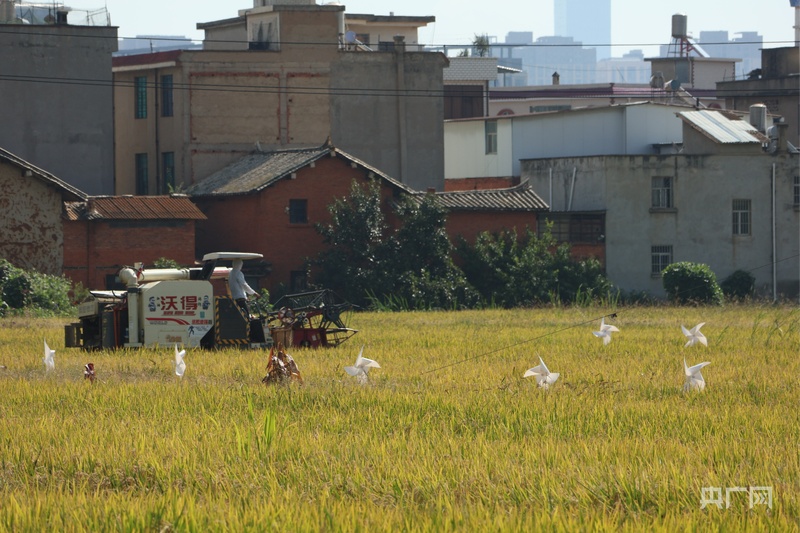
69, 192
256, 172
519, 198
134, 208
722, 127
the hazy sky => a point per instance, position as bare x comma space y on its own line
635, 23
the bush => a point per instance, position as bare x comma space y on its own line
509, 271
739, 285
21, 289
687, 282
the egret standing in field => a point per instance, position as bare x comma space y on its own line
694, 335
362, 366
544, 378
49, 357
180, 365
605, 331
694, 379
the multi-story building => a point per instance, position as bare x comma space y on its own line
587, 21
282, 74
776, 85
56, 84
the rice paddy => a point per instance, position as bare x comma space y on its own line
445, 436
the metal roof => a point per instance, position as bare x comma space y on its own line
722, 127
518, 198
173, 207
33, 172
256, 172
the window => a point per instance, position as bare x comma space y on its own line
741, 217
298, 211
168, 171
661, 192
490, 127
797, 191
141, 174
140, 85
585, 228
167, 106
661, 257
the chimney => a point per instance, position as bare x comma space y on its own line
399, 43
781, 126
61, 16
7, 13
556, 78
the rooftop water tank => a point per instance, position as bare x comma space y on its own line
758, 117
679, 25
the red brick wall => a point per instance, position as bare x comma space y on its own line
94, 249
469, 224
260, 222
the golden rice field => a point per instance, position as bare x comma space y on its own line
446, 436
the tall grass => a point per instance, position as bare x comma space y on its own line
446, 436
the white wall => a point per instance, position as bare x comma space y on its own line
465, 150
613, 130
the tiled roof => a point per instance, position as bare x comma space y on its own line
471, 69
519, 198
722, 127
173, 207
69, 192
256, 172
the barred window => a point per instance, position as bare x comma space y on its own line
585, 228
741, 217
661, 257
140, 102
661, 187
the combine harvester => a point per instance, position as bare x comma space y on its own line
170, 306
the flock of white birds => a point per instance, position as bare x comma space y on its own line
544, 378
694, 379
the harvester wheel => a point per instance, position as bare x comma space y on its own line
286, 316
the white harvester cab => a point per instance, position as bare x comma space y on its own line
168, 306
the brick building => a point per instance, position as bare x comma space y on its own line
104, 233
31, 226
269, 203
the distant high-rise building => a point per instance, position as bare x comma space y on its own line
587, 21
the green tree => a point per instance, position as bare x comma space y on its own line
354, 262
410, 267
480, 45
426, 275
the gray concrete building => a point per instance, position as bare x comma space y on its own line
776, 85
723, 200
56, 88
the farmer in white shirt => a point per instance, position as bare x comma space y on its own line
239, 287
